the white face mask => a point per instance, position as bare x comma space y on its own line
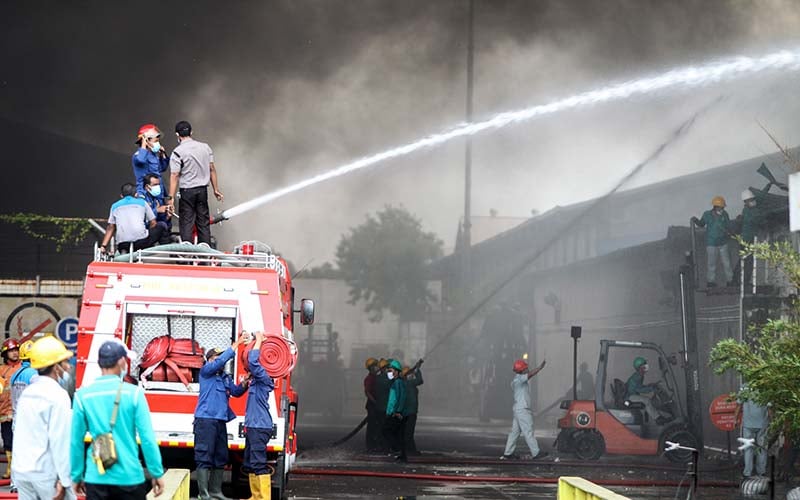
390, 375
64, 378
645, 367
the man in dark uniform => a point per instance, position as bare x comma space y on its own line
210, 418
258, 422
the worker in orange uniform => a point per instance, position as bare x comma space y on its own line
373, 421
11, 362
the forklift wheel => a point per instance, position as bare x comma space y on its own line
589, 444
685, 438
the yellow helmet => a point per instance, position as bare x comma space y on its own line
383, 363
25, 349
369, 362
718, 201
48, 351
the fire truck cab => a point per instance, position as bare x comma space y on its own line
172, 303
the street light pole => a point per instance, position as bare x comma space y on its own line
467, 224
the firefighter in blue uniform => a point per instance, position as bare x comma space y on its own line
258, 424
210, 421
149, 158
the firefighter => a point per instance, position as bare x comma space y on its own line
717, 224
210, 421
413, 379
41, 469
638, 391
150, 158
10, 354
258, 423
523, 414
382, 384
750, 221
395, 408
373, 422
23, 376
132, 221
153, 191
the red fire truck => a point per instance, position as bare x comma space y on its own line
171, 303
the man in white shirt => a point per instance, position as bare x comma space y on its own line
41, 467
523, 414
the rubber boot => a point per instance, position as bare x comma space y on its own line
215, 485
265, 486
255, 490
7, 475
202, 484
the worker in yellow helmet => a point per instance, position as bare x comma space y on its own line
373, 420
718, 225
41, 467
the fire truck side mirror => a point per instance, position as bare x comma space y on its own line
306, 312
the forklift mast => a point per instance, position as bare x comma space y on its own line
690, 355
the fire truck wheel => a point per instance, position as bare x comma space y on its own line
589, 444
679, 434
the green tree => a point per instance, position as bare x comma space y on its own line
384, 262
769, 357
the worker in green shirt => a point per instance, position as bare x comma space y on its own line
717, 224
750, 220
92, 412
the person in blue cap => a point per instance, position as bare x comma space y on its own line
210, 421
92, 411
258, 424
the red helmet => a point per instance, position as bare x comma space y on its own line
520, 365
148, 131
10, 344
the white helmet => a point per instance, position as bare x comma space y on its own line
747, 194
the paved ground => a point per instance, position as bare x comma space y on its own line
470, 450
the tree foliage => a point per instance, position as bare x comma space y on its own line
769, 357
384, 263
70, 231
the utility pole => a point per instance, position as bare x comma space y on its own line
467, 223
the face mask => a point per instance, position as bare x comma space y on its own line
390, 375
155, 147
645, 367
155, 190
64, 378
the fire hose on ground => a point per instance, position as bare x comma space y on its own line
500, 479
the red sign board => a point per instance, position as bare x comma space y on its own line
723, 412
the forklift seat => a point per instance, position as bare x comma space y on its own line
618, 389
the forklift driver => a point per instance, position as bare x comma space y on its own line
638, 391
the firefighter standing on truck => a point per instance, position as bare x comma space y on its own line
210, 421
258, 424
150, 158
10, 353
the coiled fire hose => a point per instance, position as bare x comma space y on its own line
278, 355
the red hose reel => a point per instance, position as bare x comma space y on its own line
278, 355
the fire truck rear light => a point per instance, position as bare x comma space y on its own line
260, 292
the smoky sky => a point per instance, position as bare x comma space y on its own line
286, 89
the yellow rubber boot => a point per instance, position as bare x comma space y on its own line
255, 493
265, 486
7, 475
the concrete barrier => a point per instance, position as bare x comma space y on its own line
176, 485
577, 488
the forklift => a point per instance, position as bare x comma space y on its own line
613, 424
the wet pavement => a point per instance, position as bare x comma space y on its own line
460, 459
